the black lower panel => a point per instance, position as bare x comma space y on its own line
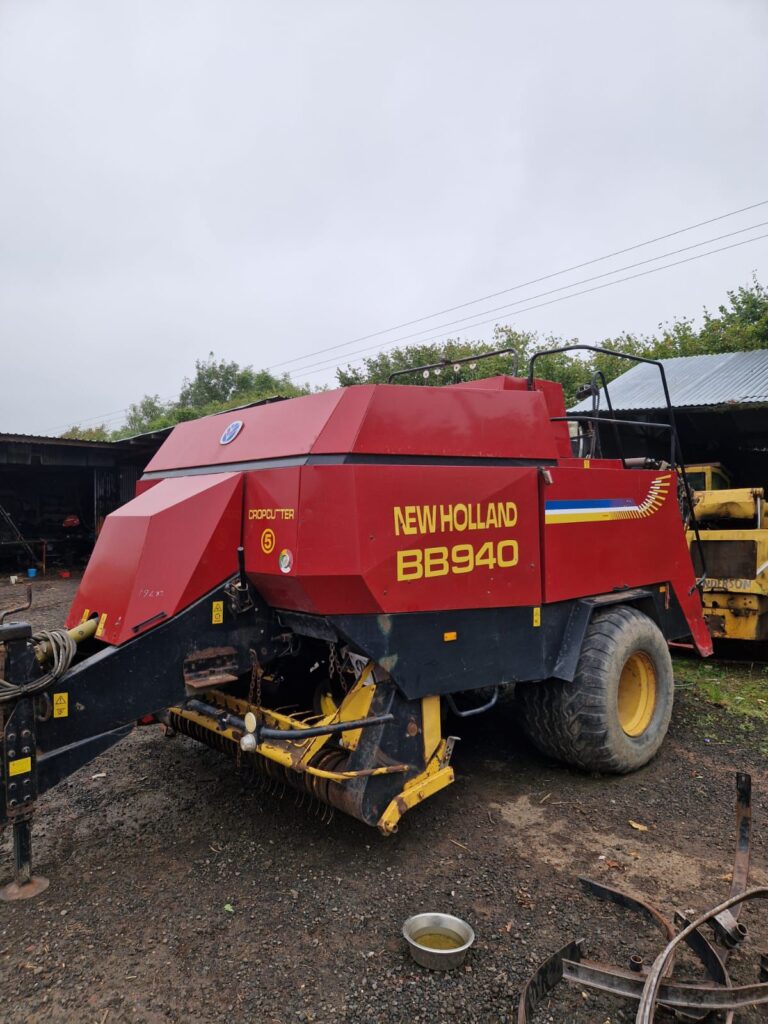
492, 646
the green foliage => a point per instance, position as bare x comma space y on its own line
218, 382
741, 689
572, 370
99, 433
214, 387
150, 410
740, 324
377, 368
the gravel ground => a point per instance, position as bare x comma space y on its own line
178, 894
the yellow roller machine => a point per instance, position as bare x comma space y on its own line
734, 531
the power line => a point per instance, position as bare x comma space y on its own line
117, 415
573, 295
104, 417
550, 291
524, 284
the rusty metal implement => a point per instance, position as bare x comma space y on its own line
654, 986
654, 981
678, 995
545, 978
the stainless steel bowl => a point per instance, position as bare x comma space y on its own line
440, 924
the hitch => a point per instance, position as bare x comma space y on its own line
31, 663
19, 792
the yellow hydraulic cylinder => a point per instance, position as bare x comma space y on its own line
84, 631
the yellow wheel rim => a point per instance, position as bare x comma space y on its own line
637, 694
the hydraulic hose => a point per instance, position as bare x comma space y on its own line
57, 646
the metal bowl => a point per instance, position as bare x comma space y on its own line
440, 924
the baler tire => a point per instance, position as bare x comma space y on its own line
580, 722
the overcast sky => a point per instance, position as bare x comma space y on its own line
268, 179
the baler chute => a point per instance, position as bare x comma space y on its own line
304, 587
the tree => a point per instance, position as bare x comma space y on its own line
215, 382
99, 433
377, 369
571, 370
740, 324
215, 386
147, 414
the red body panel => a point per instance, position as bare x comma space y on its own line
381, 499
160, 552
470, 423
553, 396
354, 520
639, 543
371, 419
274, 431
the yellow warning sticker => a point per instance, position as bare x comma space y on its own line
60, 705
102, 624
86, 613
217, 613
20, 766
537, 616
586, 463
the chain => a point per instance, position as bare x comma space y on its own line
336, 668
256, 675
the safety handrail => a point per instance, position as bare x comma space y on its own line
676, 453
459, 362
583, 417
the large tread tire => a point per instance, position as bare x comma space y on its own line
578, 722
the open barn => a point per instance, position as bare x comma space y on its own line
55, 493
721, 412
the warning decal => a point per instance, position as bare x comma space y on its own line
60, 705
20, 766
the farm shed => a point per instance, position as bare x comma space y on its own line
721, 409
55, 493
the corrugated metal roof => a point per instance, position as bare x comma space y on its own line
150, 438
731, 378
42, 439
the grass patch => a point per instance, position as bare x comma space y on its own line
741, 688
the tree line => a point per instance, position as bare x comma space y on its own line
738, 325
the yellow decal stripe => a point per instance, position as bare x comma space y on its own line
657, 494
20, 766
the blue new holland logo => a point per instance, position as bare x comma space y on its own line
231, 432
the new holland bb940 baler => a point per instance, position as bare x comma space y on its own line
306, 583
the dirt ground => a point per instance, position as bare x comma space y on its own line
178, 894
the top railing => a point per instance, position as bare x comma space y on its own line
676, 454
446, 364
